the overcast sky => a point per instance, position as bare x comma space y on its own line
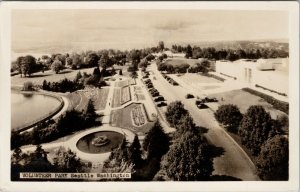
137, 28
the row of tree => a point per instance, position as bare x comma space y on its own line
228, 54
202, 67
262, 135
57, 62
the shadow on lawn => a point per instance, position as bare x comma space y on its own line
202, 130
216, 151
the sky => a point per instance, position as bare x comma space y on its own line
126, 29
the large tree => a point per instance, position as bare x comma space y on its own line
161, 46
92, 59
175, 111
230, 116
189, 52
26, 65
256, 127
67, 161
134, 152
156, 142
273, 160
57, 66
189, 159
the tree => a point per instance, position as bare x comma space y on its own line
120, 72
134, 152
57, 66
38, 161
104, 62
67, 161
133, 75
76, 61
97, 72
189, 52
78, 76
28, 86
273, 160
161, 46
189, 159
92, 59
25, 65
90, 114
156, 142
230, 116
175, 111
255, 128
186, 123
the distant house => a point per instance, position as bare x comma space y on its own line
268, 73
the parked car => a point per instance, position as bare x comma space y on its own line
150, 86
161, 104
202, 106
155, 94
188, 96
208, 100
198, 102
160, 98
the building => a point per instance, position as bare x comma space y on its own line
270, 74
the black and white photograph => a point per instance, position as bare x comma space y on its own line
131, 93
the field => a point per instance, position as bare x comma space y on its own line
244, 100
197, 78
38, 78
123, 118
79, 99
180, 61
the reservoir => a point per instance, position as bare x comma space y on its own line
28, 108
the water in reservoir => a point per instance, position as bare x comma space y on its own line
28, 108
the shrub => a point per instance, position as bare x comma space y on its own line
28, 86
175, 111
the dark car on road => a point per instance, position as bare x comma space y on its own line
160, 98
188, 96
155, 94
202, 106
161, 104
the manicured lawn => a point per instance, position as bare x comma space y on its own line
244, 100
122, 118
121, 96
79, 99
197, 78
38, 78
116, 102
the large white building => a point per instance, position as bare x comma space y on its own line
268, 73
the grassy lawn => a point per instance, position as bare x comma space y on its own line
38, 78
197, 78
180, 61
122, 118
244, 100
116, 101
79, 99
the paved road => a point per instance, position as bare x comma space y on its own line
234, 162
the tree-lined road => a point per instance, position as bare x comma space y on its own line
234, 162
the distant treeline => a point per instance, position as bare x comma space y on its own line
228, 54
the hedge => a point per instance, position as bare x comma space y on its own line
279, 105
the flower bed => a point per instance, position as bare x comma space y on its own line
138, 116
125, 95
